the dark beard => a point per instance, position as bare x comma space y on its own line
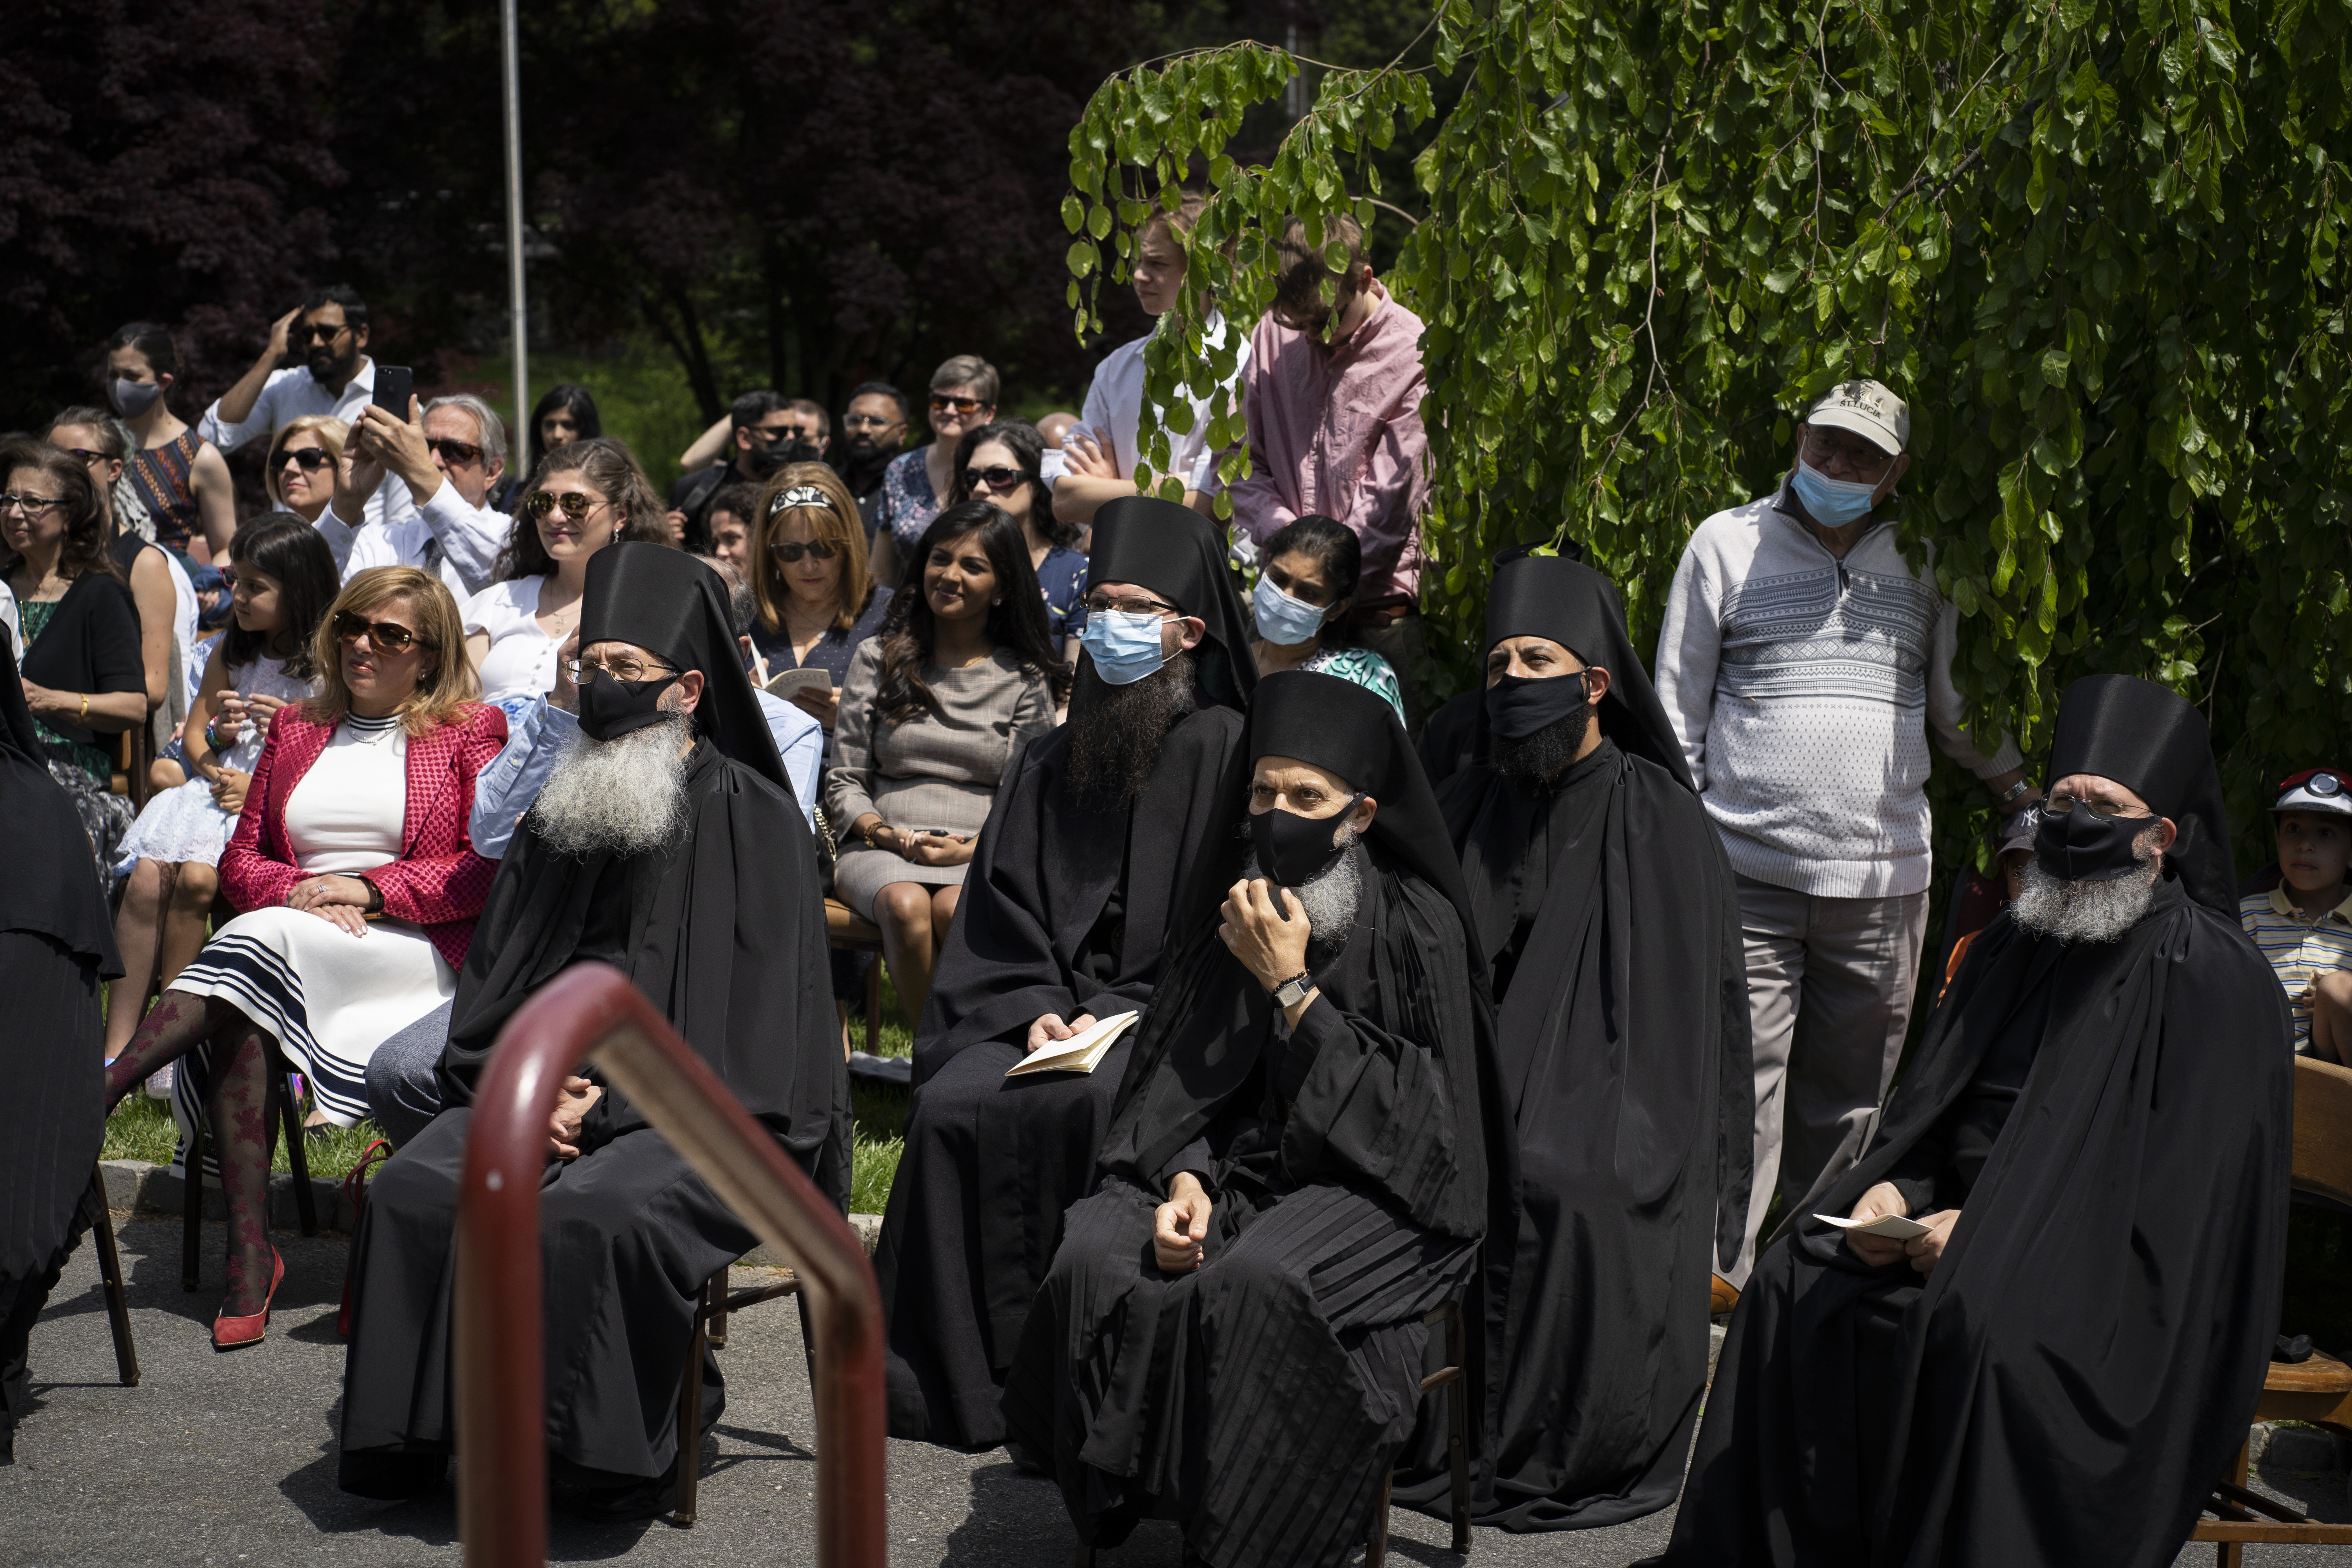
861, 464
1532, 762
1115, 730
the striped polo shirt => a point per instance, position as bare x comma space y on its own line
2300, 950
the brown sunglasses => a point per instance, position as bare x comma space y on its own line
959, 405
387, 636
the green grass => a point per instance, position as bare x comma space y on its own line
641, 394
141, 1129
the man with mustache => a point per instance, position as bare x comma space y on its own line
667, 844
1064, 920
2092, 1144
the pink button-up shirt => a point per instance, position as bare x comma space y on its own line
1337, 431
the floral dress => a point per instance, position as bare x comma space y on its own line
908, 503
1363, 667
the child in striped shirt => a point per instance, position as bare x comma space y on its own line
2304, 925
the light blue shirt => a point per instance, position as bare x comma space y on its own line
538, 734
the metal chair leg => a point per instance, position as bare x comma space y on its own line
118, 1301
298, 1154
689, 1423
191, 1213
716, 1300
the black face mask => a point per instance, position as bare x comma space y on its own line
609, 708
1293, 849
1517, 705
2081, 848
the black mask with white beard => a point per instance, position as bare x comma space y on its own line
1330, 897
1115, 730
626, 795
2093, 908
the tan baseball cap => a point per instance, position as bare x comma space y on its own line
1869, 410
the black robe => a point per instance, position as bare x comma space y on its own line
725, 933
1064, 910
2114, 1123
1610, 917
55, 944
1262, 1398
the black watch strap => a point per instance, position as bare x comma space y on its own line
1292, 989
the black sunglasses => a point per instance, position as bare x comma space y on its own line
312, 459
998, 478
316, 332
961, 405
456, 451
388, 636
824, 550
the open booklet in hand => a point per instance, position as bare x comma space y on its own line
1081, 1052
1893, 1227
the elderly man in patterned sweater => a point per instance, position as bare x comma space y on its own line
1800, 662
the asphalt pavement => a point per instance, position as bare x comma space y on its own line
229, 1459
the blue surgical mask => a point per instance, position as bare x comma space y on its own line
1834, 503
1282, 619
1125, 646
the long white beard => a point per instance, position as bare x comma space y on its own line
2084, 911
1331, 897
627, 795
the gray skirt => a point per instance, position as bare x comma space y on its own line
861, 873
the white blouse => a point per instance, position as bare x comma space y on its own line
521, 661
348, 812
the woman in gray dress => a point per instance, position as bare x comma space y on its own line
934, 713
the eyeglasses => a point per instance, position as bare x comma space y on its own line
2105, 811
822, 549
1102, 604
31, 506
866, 421
312, 458
315, 331
456, 451
90, 457
999, 478
387, 636
628, 667
965, 405
575, 506
771, 435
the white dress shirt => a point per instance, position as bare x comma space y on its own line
287, 395
1114, 410
446, 536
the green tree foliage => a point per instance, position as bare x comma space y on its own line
2094, 243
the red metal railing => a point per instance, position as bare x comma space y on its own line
592, 1010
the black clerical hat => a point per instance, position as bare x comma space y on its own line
670, 604
1570, 604
2156, 744
1172, 551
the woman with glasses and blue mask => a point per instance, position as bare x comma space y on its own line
586, 495
934, 716
1305, 608
361, 887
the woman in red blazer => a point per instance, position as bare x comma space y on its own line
360, 887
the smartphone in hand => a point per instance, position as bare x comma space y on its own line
395, 383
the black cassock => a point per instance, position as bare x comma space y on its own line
55, 944
1065, 911
2114, 1123
724, 932
1262, 1398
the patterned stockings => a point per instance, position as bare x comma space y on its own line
244, 1120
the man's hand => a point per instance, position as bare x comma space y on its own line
570, 1110
1049, 1029
566, 694
2331, 1017
1179, 1225
280, 332
357, 477
1270, 939
1082, 456
940, 848
399, 446
1925, 1251
1877, 1204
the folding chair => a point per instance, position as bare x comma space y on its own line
718, 1301
109, 1276
192, 1201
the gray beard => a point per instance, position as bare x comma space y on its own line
1330, 898
626, 795
2084, 911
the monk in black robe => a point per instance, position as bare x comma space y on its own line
2097, 1133
1064, 920
667, 844
57, 943
1607, 914
1296, 1172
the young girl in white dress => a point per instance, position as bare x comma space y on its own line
284, 580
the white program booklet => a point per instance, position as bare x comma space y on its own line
784, 682
1893, 1227
1082, 1052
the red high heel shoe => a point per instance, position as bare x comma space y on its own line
229, 1333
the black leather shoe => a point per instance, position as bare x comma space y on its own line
390, 1475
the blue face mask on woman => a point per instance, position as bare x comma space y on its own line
1282, 619
1124, 646
1834, 503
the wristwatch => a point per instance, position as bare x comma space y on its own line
1294, 990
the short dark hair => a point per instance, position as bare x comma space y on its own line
755, 407
741, 498
1334, 547
968, 369
811, 405
1301, 272
883, 389
355, 311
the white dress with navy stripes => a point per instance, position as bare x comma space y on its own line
328, 997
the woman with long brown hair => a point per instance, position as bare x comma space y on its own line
352, 861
